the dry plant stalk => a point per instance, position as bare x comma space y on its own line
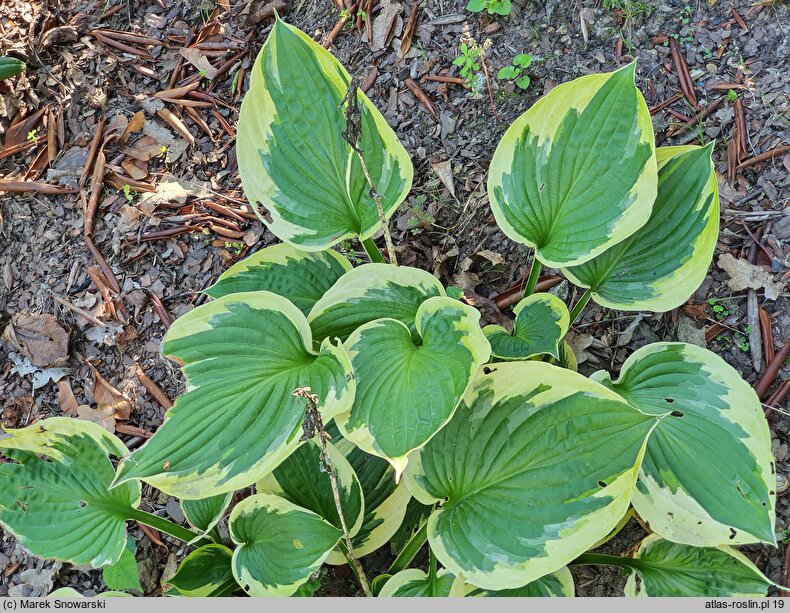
353, 135
313, 426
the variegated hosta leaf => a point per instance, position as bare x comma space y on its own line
659, 266
292, 157
70, 592
280, 544
301, 276
567, 359
707, 477
124, 575
385, 501
407, 391
370, 292
537, 464
60, 507
244, 355
207, 571
416, 583
671, 569
300, 480
556, 584
541, 322
576, 173
205, 513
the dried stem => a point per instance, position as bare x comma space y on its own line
313, 426
353, 135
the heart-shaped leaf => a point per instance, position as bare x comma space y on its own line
370, 292
707, 477
207, 571
541, 322
60, 507
244, 355
671, 569
292, 157
415, 583
407, 391
280, 544
558, 452
659, 266
301, 276
302, 480
576, 173
558, 584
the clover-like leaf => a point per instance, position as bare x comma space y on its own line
508, 72
301, 480
672, 569
280, 544
707, 477
207, 571
407, 390
301, 276
54, 495
558, 584
661, 265
292, 157
244, 355
370, 292
541, 322
558, 452
576, 173
415, 583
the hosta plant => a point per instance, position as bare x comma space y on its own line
365, 407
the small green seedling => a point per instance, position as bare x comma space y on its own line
468, 65
129, 192
516, 70
494, 7
732, 95
234, 247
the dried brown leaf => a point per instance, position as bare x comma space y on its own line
66, 400
744, 275
40, 338
108, 398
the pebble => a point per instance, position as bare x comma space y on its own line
492, 28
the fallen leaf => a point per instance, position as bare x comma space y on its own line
66, 400
171, 189
445, 173
135, 125
40, 580
493, 257
463, 278
108, 398
40, 338
578, 343
384, 24
687, 332
199, 61
744, 275
104, 417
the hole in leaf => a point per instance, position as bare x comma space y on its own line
676, 414
247, 588
82, 504
602, 483
733, 533
487, 370
669, 400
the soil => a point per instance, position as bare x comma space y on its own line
169, 234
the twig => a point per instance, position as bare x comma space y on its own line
421, 96
755, 338
330, 38
313, 426
513, 294
771, 370
353, 135
19, 187
160, 310
764, 156
443, 79
152, 388
682, 69
97, 181
79, 311
768, 335
482, 57
112, 280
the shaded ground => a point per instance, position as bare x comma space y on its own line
164, 241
